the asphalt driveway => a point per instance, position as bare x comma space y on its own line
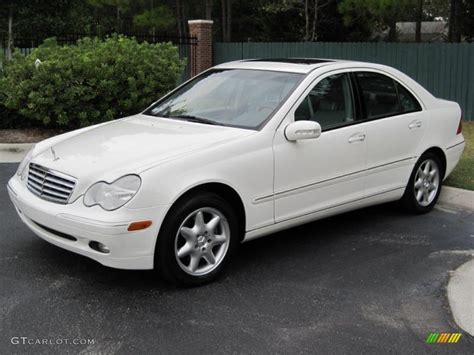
371, 281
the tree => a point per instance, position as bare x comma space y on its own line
379, 14
180, 14
274, 20
156, 18
461, 20
436, 10
10, 31
285, 20
209, 4
26, 18
419, 19
311, 35
121, 6
226, 6
467, 21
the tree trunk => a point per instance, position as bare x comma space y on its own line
419, 18
118, 25
153, 29
229, 20
315, 20
184, 17
457, 14
306, 17
209, 9
10, 33
452, 8
224, 20
392, 32
453, 21
178, 17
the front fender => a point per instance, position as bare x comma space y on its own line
245, 165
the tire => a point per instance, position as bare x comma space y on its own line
424, 186
203, 227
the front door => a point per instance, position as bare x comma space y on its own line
327, 172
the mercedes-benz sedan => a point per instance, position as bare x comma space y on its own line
240, 151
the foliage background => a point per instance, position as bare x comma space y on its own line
235, 20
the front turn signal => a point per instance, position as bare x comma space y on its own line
136, 226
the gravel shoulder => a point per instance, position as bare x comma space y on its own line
27, 135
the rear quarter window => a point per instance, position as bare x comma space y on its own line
408, 102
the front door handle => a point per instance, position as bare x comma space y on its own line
358, 137
415, 124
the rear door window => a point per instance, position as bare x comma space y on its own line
379, 95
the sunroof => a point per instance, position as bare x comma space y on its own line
292, 60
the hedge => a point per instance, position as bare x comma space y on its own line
93, 81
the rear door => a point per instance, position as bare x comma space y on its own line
395, 125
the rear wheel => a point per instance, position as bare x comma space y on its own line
424, 186
196, 240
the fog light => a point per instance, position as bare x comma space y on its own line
99, 247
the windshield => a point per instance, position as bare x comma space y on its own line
239, 98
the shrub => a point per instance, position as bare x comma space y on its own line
91, 82
9, 118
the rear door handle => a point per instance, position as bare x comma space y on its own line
358, 137
415, 124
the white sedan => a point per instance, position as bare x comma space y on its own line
243, 150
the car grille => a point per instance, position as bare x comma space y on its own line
49, 184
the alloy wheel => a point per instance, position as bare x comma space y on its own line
427, 181
202, 241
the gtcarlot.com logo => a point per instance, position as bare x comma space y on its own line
50, 341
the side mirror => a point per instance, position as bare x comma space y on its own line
299, 130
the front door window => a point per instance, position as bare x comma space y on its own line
329, 103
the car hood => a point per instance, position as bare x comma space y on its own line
129, 145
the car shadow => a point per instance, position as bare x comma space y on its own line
319, 237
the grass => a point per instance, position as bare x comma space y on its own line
463, 175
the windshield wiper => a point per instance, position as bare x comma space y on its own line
196, 119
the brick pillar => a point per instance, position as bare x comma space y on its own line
201, 53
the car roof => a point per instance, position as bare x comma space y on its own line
292, 65
307, 61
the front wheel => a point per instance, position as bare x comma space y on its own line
196, 240
424, 186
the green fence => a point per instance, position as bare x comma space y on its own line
445, 69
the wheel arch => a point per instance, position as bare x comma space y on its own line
221, 189
441, 155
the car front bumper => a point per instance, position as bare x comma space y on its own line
57, 223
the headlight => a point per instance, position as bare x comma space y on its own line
114, 195
24, 163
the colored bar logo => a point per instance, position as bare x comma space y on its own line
443, 338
